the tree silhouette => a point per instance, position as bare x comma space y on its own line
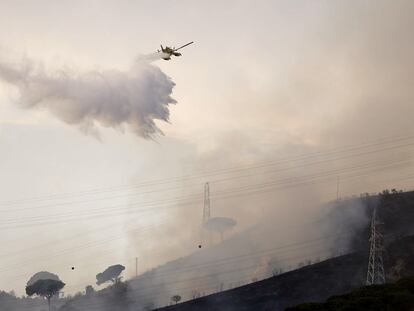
110, 274
176, 298
45, 288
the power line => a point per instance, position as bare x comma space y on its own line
198, 278
244, 190
218, 171
215, 263
287, 247
314, 176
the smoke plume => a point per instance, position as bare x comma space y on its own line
131, 99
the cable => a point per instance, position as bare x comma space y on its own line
297, 245
215, 172
140, 297
237, 191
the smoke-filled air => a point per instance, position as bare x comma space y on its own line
129, 100
281, 180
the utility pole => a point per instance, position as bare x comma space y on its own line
136, 266
375, 273
337, 188
206, 210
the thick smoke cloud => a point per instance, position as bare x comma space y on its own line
350, 84
132, 99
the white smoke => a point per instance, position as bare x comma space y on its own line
131, 99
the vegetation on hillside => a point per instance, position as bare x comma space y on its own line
398, 296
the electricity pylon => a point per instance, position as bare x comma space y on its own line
206, 213
375, 273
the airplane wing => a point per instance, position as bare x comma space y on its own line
184, 46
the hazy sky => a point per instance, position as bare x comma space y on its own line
264, 80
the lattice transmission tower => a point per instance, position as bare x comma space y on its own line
206, 214
375, 273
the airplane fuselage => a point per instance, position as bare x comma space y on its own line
168, 52
168, 55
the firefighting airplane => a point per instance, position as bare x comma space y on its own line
168, 52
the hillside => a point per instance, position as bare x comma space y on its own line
334, 276
388, 297
9, 302
312, 283
256, 253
